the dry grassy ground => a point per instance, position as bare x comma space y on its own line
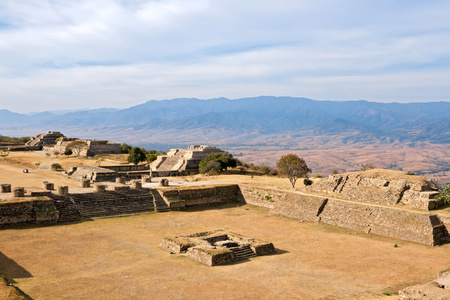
119, 258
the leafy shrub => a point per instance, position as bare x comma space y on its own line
318, 176
56, 167
444, 194
307, 181
265, 170
366, 167
210, 167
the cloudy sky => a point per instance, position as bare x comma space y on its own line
61, 54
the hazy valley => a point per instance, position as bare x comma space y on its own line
330, 135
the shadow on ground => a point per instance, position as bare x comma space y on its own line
11, 270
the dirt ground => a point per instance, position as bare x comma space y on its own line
119, 258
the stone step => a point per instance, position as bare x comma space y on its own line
242, 253
158, 201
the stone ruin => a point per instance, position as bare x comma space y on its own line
436, 289
217, 247
93, 147
182, 161
379, 186
44, 139
47, 142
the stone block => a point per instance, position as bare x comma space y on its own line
19, 192
146, 179
121, 180
99, 187
164, 182
136, 184
49, 186
63, 190
85, 183
6, 188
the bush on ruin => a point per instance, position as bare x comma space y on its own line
366, 167
292, 167
444, 194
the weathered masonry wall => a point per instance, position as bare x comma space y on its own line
413, 226
37, 211
179, 198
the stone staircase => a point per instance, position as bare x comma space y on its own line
169, 164
160, 204
111, 203
67, 210
242, 253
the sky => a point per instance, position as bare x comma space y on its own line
58, 54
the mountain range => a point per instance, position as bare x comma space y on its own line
330, 135
223, 121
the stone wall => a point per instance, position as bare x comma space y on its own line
127, 168
210, 257
264, 197
378, 186
408, 225
180, 198
37, 211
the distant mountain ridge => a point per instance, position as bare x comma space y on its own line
224, 121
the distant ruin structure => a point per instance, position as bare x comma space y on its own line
93, 147
44, 139
182, 161
47, 142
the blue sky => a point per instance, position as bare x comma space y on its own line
57, 54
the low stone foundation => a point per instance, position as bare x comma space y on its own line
217, 247
23, 211
180, 198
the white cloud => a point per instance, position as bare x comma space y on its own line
97, 53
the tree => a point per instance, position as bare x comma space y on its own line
211, 167
136, 155
224, 159
151, 157
292, 167
68, 152
444, 194
76, 147
125, 148
366, 167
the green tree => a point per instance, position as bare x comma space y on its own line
76, 147
136, 155
152, 157
125, 148
68, 152
211, 167
292, 167
444, 194
225, 160
265, 170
